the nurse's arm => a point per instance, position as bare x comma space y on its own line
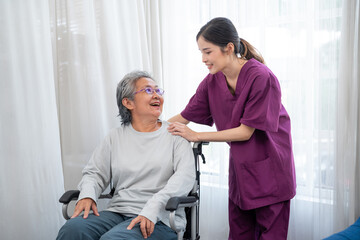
178, 118
241, 133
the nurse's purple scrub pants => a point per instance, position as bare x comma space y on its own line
265, 223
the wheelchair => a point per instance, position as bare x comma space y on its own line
190, 203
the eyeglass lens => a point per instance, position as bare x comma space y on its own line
150, 90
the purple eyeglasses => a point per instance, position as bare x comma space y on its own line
150, 90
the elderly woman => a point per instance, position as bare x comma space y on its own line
147, 165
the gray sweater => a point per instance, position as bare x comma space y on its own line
147, 168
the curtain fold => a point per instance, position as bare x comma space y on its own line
31, 179
347, 194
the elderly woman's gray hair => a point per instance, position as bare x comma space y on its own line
126, 89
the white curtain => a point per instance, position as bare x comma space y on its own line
347, 186
31, 179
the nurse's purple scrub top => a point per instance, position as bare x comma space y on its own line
261, 170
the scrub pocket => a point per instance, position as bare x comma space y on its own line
258, 179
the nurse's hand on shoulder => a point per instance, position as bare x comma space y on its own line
85, 204
184, 131
146, 226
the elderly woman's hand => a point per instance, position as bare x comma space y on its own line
85, 205
146, 226
184, 131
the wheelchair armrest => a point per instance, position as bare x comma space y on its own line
174, 202
68, 196
178, 202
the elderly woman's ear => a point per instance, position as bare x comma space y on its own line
127, 103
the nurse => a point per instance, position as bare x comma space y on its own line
243, 98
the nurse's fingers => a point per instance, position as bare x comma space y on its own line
177, 127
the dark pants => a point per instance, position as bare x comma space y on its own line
109, 225
265, 223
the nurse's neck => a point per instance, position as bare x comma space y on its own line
232, 71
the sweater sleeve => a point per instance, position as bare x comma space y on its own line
96, 174
179, 184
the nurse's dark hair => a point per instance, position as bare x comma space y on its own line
125, 89
221, 31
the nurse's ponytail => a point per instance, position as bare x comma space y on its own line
249, 51
221, 31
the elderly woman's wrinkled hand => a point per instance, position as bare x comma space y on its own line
85, 205
146, 226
